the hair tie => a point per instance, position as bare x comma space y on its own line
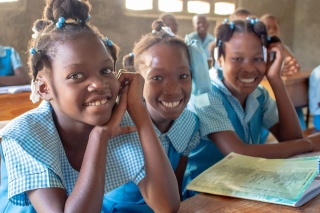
269, 38
108, 41
168, 30
231, 25
131, 54
88, 17
35, 85
225, 21
61, 22
32, 51
154, 31
264, 52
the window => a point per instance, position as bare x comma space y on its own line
214, 9
7, 1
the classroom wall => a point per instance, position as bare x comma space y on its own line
299, 21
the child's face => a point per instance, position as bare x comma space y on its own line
243, 65
272, 27
167, 85
82, 84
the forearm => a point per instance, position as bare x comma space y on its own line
14, 80
88, 192
289, 126
160, 188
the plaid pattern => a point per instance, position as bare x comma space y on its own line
214, 116
183, 134
35, 158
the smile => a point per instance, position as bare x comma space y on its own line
247, 80
170, 104
97, 102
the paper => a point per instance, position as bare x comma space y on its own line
281, 181
15, 89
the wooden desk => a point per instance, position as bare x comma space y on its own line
297, 87
213, 203
12, 105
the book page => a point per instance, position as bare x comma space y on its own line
270, 180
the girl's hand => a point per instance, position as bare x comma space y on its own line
135, 83
275, 66
112, 128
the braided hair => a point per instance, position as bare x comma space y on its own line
47, 35
157, 36
226, 30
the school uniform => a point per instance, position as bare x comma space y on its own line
180, 139
221, 111
9, 61
33, 157
314, 96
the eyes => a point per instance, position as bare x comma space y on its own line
160, 78
241, 59
82, 75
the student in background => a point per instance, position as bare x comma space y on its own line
11, 69
201, 25
163, 60
314, 96
231, 116
64, 155
291, 65
170, 20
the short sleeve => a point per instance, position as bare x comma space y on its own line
211, 112
15, 59
139, 176
269, 110
25, 173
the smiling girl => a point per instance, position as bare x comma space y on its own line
231, 116
66, 154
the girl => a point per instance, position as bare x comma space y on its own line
163, 60
60, 157
231, 116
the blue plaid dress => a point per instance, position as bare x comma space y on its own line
32, 157
181, 138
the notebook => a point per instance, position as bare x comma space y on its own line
291, 182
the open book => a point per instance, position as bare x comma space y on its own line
15, 89
290, 182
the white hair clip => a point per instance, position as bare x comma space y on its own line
35, 96
168, 30
264, 51
35, 33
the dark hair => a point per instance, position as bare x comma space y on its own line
157, 36
47, 34
127, 62
225, 32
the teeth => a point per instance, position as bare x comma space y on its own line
171, 104
247, 80
97, 103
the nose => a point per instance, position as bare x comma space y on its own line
172, 88
98, 83
249, 66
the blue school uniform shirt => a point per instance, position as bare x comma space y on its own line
33, 157
9, 61
181, 138
221, 111
204, 43
314, 96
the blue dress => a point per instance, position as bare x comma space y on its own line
9, 61
181, 138
32, 157
221, 111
